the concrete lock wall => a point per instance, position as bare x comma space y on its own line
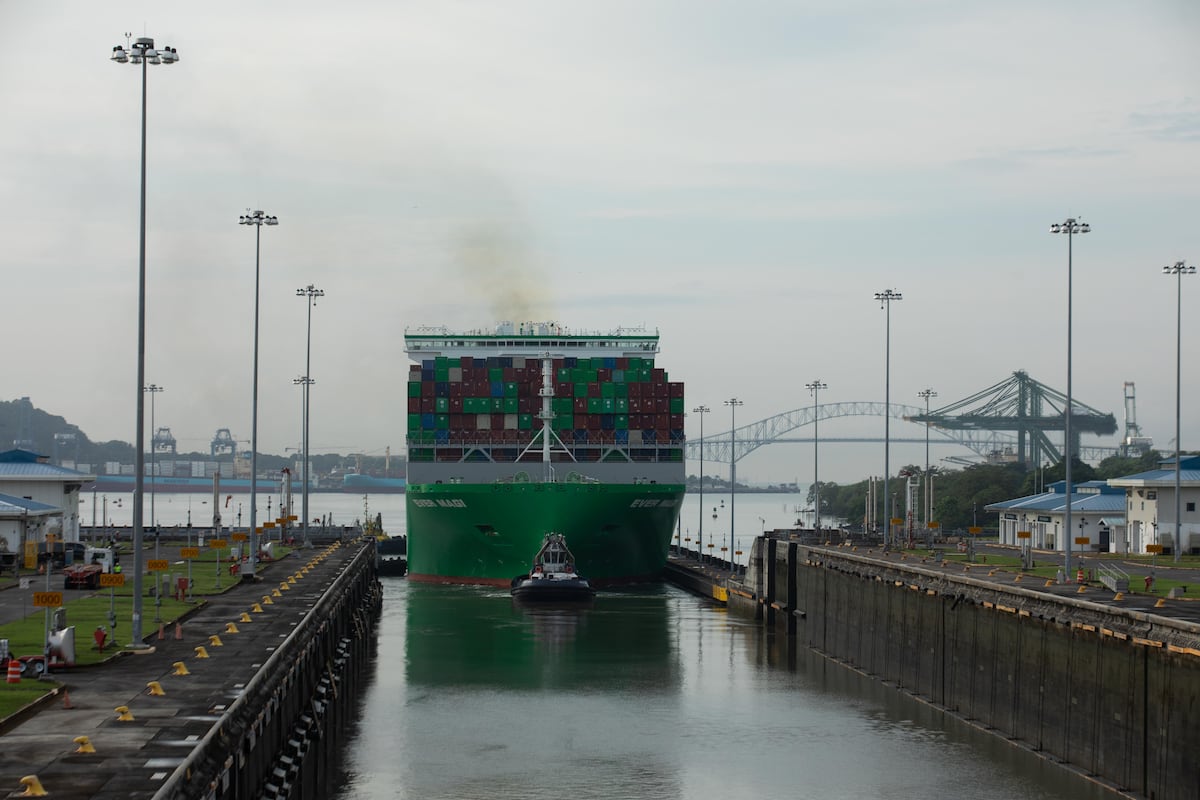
1107, 690
280, 738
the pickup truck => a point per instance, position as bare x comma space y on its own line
97, 561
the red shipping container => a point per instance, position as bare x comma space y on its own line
675, 389
658, 375
468, 422
497, 422
662, 422
456, 404
593, 390
428, 389
456, 422
510, 374
661, 390
622, 363
456, 390
580, 405
604, 375
677, 422
563, 390
414, 405
466, 362
635, 390
428, 405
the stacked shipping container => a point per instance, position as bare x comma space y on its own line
456, 405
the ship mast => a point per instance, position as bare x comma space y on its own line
547, 414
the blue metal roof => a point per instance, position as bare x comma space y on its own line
40, 471
15, 506
1160, 477
1055, 503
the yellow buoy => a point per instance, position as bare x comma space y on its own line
123, 714
85, 744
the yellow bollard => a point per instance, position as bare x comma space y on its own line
1018, 578
123, 714
283, 587
85, 744
1162, 601
292, 578
245, 617
1081, 589
201, 652
180, 668
231, 628
267, 601
277, 593
156, 689
33, 787
215, 641
1050, 582
256, 608
991, 573
1119, 596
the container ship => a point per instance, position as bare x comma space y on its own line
532, 428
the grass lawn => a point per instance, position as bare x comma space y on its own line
88, 610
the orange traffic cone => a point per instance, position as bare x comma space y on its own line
178, 631
67, 699
14, 671
161, 632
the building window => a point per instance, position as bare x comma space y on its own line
1191, 506
1151, 495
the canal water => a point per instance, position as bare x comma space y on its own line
649, 692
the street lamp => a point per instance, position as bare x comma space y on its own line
701, 410
733, 403
885, 299
1178, 269
257, 219
815, 387
311, 293
927, 393
1070, 227
153, 390
141, 52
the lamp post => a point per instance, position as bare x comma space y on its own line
1070, 227
257, 219
1178, 269
733, 403
310, 293
153, 389
885, 299
927, 393
815, 387
141, 52
701, 410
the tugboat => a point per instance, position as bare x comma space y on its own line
553, 576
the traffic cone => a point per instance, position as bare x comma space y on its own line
161, 632
14, 671
67, 699
178, 631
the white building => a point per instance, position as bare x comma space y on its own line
1150, 505
32, 485
1097, 514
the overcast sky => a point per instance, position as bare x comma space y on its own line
743, 176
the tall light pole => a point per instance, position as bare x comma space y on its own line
1070, 227
311, 293
141, 52
257, 219
153, 389
1178, 269
927, 393
885, 299
815, 387
733, 403
701, 410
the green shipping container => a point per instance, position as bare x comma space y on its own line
497, 405
676, 405
608, 390
442, 405
441, 374
621, 421
414, 422
414, 388
495, 374
622, 390
581, 390
564, 423
524, 422
510, 405
443, 422
622, 405
510, 389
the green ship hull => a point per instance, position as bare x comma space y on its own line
488, 533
